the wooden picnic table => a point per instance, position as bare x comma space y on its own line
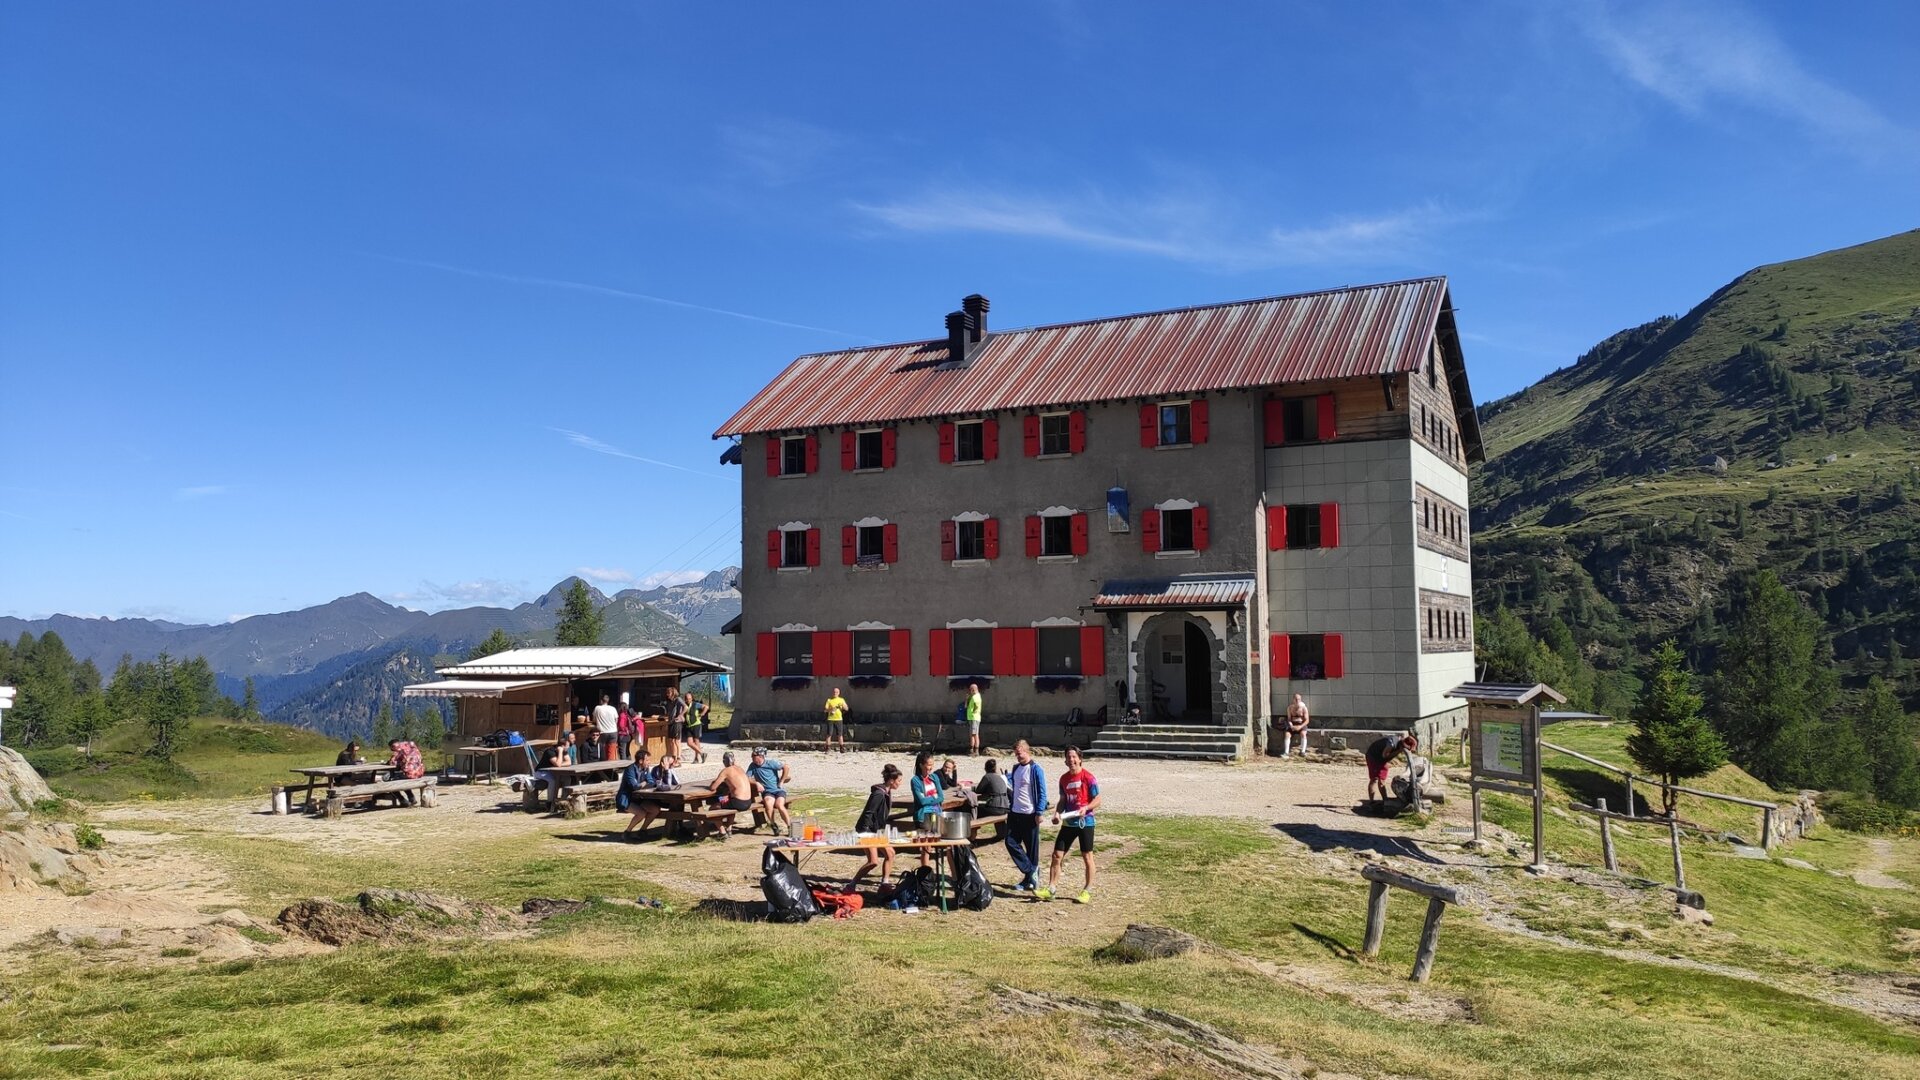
492, 754
903, 808
941, 850
578, 772
678, 800
334, 775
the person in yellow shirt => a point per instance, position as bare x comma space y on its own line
836, 720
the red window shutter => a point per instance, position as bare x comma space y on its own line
990, 440
1006, 651
774, 547
1197, 421
1276, 422
1093, 652
847, 439
773, 455
1279, 657
1033, 536
1077, 432
888, 437
1336, 656
1079, 534
766, 655
1276, 528
843, 652
946, 444
1026, 651
813, 454
813, 547
940, 653
1323, 406
946, 541
900, 651
1329, 524
1149, 426
823, 653
1030, 436
992, 531
890, 544
849, 545
1199, 528
1150, 530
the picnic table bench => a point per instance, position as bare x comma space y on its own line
578, 774
580, 797
682, 806
339, 797
997, 821
708, 821
329, 777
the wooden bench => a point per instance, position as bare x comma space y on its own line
760, 814
579, 797
997, 821
703, 822
339, 797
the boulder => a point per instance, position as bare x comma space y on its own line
1692, 916
20, 786
1798, 864
1142, 942
89, 937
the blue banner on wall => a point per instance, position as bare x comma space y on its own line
1117, 519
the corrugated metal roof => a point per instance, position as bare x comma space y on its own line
1190, 591
575, 662
474, 688
1340, 333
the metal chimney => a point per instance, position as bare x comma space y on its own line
957, 344
976, 308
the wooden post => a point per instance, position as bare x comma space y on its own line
1476, 814
1766, 826
1606, 837
1429, 940
429, 795
530, 797
1679, 871
1376, 918
1539, 826
334, 806
1632, 810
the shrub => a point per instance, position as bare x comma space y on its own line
1862, 813
88, 837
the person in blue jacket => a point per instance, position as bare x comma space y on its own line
637, 778
1027, 797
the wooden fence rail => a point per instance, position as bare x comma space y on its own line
1438, 897
1766, 809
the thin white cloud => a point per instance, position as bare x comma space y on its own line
610, 575
781, 151
588, 442
1699, 56
624, 294
203, 491
1184, 229
666, 579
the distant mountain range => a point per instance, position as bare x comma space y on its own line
330, 667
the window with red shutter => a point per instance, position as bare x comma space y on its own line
1279, 656
823, 653
1093, 652
888, 439
1274, 424
775, 547
1326, 414
1006, 649
1200, 528
1336, 656
1276, 528
890, 544
1149, 426
1030, 436
847, 441
1079, 534
849, 545
766, 656
1197, 418
1033, 536
992, 538
947, 532
1077, 432
813, 547
776, 446
990, 440
939, 652
900, 651
813, 454
946, 444
1150, 530
1330, 525
1026, 651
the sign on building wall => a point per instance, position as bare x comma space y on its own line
1118, 520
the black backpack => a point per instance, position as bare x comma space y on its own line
971, 890
788, 898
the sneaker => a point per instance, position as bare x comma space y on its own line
1043, 893
1023, 887
1085, 897
909, 910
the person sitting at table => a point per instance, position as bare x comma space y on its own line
637, 778
405, 765
949, 775
732, 789
560, 753
770, 780
992, 794
873, 820
666, 774
350, 755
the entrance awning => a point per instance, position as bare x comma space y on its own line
474, 688
1187, 591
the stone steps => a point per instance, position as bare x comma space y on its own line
1167, 741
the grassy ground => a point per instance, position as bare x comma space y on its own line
216, 759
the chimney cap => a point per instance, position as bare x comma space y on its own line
975, 302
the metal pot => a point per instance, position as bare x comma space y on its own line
956, 825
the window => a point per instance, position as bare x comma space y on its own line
1176, 530
1433, 374
1309, 656
1176, 424
872, 543
873, 652
1056, 436
793, 547
1303, 526
1060, 648
795, 653
867, 446
1300, 423
969, 441
1298, 420
793, 457
972, 652
1056, 535
970, 540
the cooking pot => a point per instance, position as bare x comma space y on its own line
956, 825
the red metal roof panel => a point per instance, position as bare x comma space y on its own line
1199, 590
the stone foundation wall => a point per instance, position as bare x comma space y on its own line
1330, 733
928, 734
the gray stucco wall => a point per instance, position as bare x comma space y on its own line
922, 593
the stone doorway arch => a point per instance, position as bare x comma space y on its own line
1179, 664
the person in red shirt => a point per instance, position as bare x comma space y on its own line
1079, 798
405, 765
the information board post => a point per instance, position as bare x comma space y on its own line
1503, 740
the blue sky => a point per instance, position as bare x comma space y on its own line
442, 301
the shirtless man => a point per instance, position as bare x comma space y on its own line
732, 790
1296, 727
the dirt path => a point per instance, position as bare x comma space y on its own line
1874, 875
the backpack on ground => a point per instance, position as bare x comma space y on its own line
971, 890
788, 898
914, 886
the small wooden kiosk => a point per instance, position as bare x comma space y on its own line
544, 691
1503, 734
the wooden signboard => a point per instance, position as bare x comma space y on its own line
1505, 743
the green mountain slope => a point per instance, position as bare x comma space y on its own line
1775, 425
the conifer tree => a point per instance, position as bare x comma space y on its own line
1773, 694
383, 732
1891, 746
1671, 738
580, 622
496, 642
